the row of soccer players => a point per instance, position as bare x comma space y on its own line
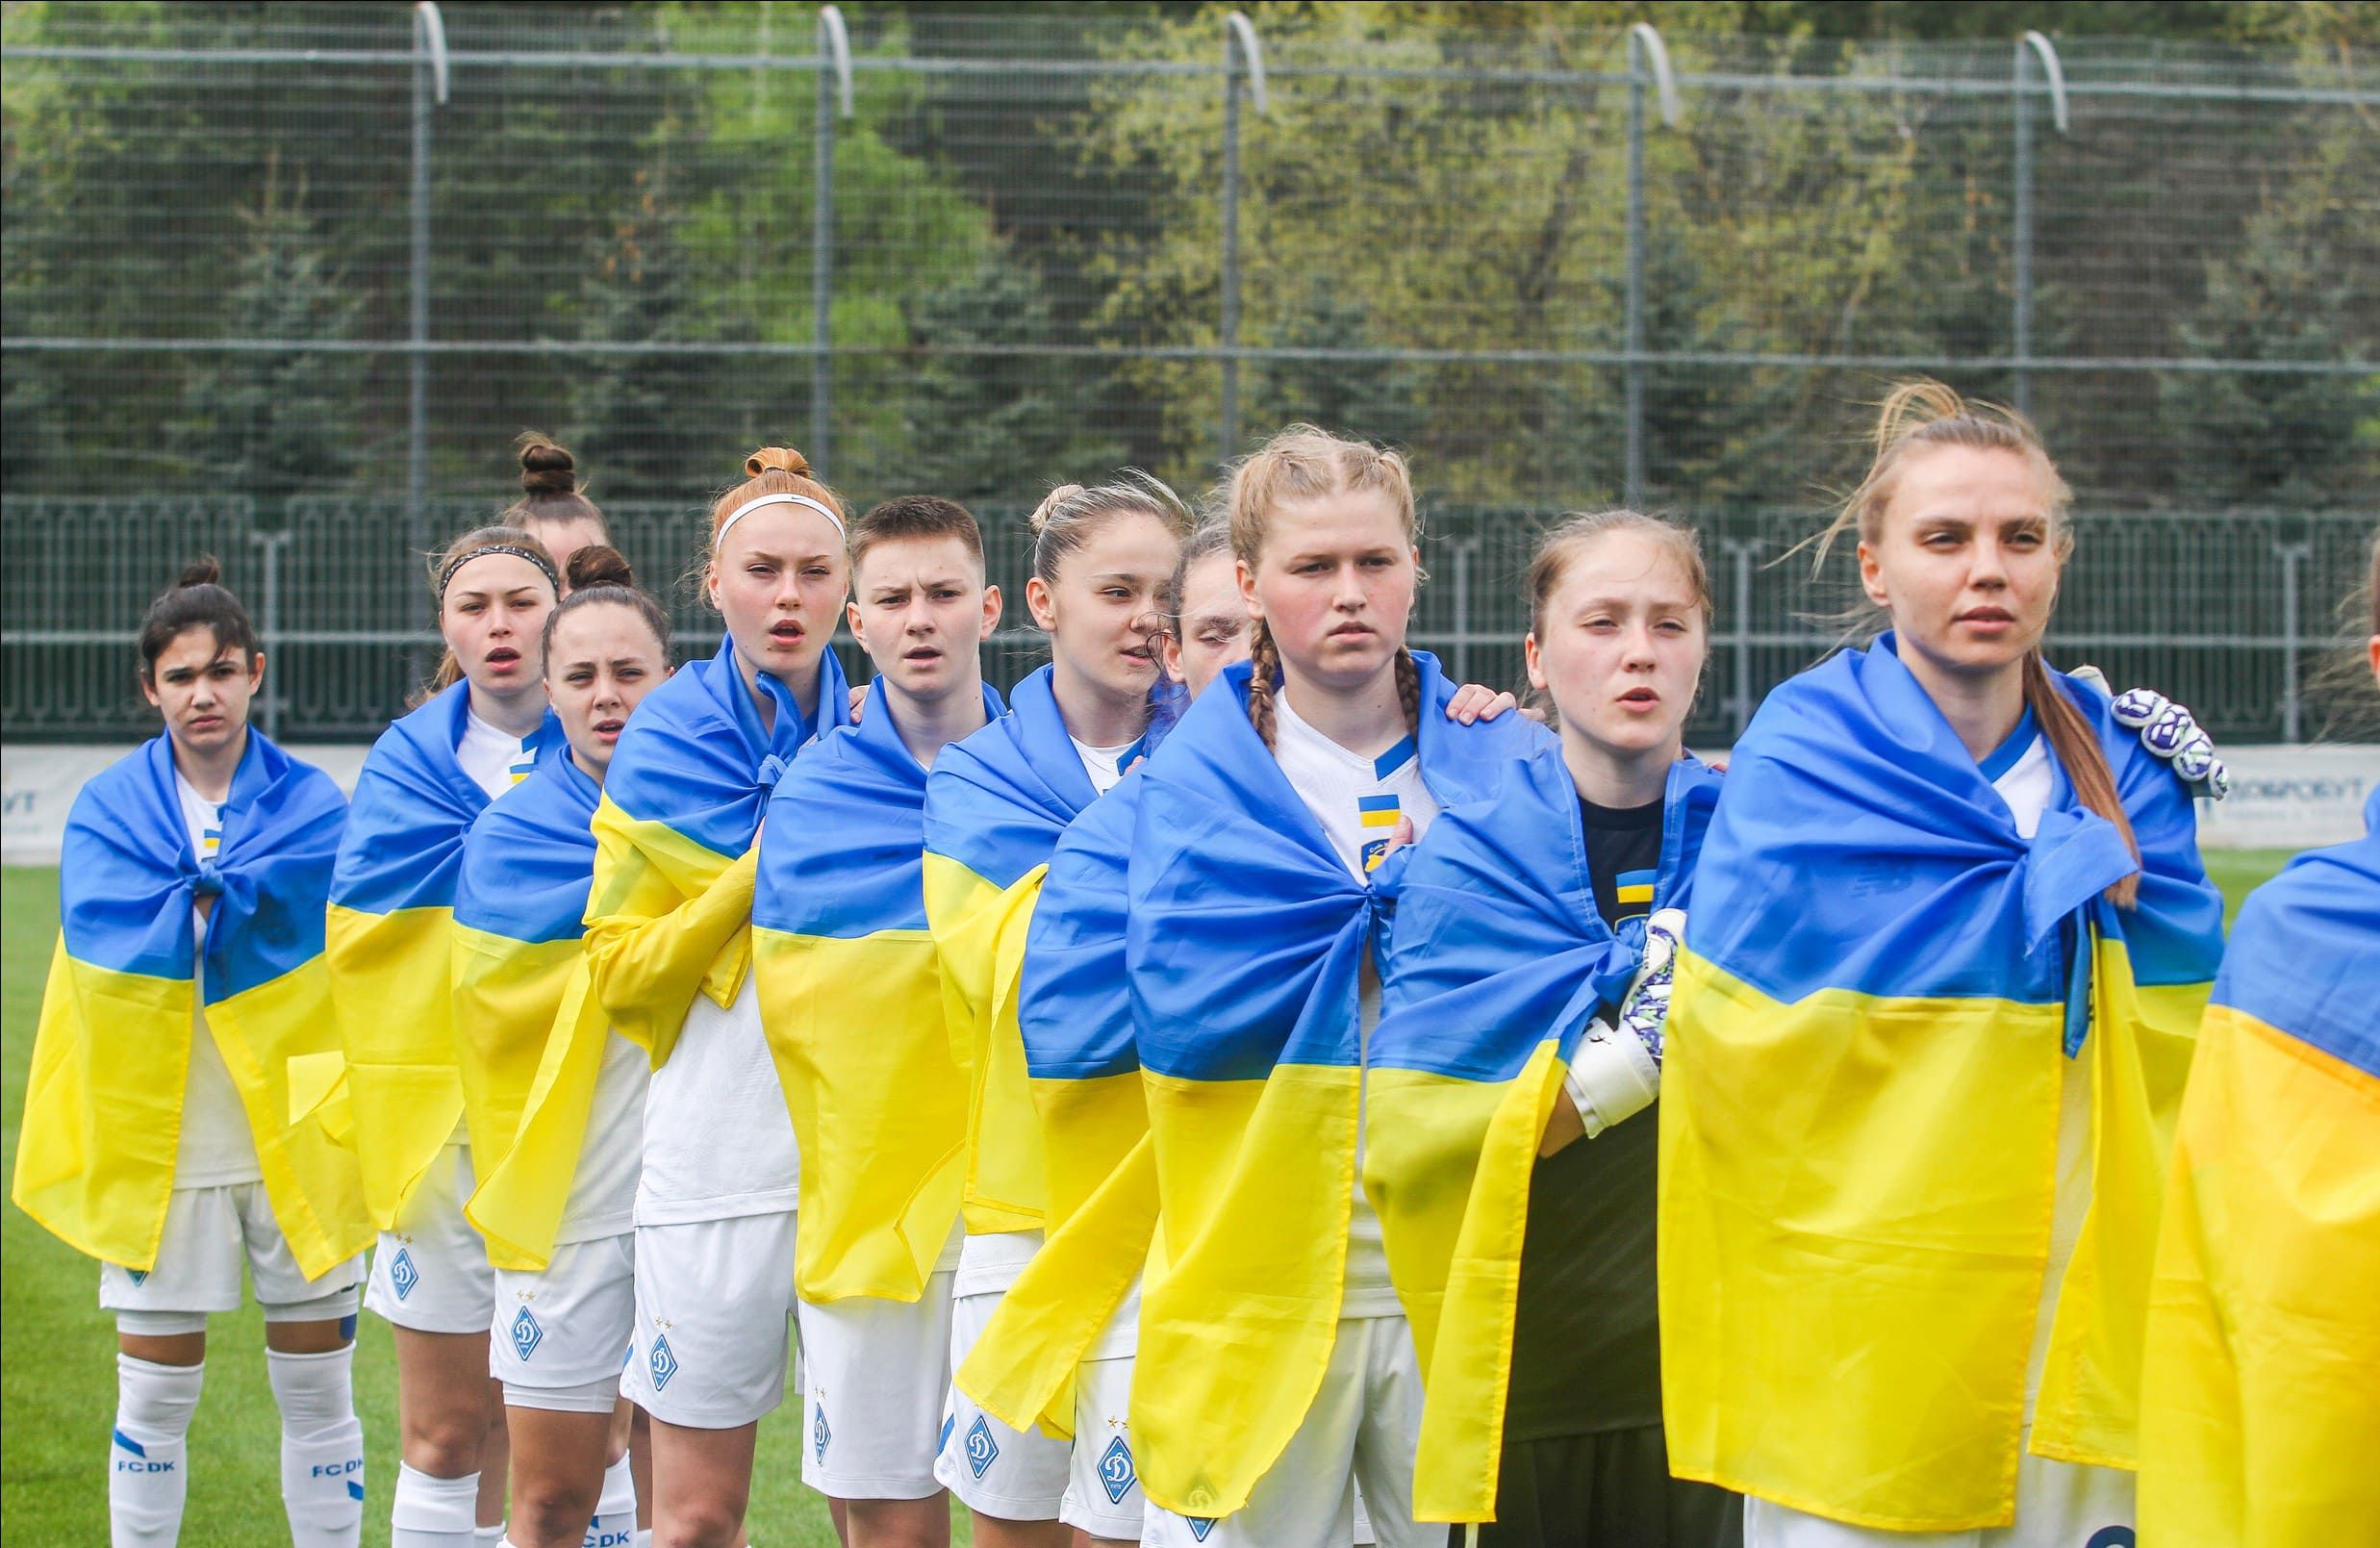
1172, 1066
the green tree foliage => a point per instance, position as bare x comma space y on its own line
271, 423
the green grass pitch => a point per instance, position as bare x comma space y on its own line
57, 1348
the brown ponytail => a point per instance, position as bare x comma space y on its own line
2077, 749
1409, 691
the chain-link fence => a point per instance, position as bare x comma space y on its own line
285, 280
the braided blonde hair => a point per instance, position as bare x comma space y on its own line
1305, 462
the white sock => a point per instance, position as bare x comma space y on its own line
488, 1537
148, 1474
615, 1514
321, 1447
434, 1513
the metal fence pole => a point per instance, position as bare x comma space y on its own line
834, 65
2020, 345
1463, 608
1228, 410
429, 79
2293, 700
1739, 553
269, 618
1632, 484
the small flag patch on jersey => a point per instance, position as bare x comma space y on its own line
1634, 892
1376, 812
210, 840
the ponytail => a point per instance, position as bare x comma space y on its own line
1263, 678
2077, 749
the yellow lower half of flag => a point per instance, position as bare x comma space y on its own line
2260, 1393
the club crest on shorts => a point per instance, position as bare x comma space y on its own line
1116, 1473
402, 1274
664, 1362
526, 1334
982, 1450
821, 1436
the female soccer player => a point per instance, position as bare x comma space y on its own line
1275, 1365
1508, 1034
851, 996
669, 949
186, 1018
552, 508
994, 809
555, 1098
483, 727
2257, 1406
1949, 944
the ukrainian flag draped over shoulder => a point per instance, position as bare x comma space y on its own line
1498, 960
994, 809
529, 1035
1244, 944
103, 1106
2261, 1403
684, 796
1860, 1106
850, 993
1074, 1022
390, 942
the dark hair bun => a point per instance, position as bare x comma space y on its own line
202, 571
546, 468
784, 459
595, 564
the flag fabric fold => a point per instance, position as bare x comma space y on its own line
103, 1109
670, 913
2260, 1408
994, 809
1498, 961
851, 996
1860, 1106
1074, 1022
1245, 942
390, 942
529, 1036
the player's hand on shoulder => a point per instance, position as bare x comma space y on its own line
1474, 702
2168, 730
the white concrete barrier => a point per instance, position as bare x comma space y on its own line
2282, 797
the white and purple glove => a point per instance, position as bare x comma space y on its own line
2168, 730
1616, 1071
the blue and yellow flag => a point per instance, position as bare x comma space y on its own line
669, 916
1245, 941
2260, 1399
529, 1035
1074, 1024
103, 1106
392, 942
850, 994
994, 810
1498, 961
1858, 1112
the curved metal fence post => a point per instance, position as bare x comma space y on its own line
1239, 42
834, 47
2293, 556
2031, 45
430, 77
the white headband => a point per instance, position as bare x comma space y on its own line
749, 506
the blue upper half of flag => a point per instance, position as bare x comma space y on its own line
529, 859
1858, 846
998, 800
1245, 931
2305, 951
1073, 1006
843, 853
128, 877
696, 757
413, 804
1498, 943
